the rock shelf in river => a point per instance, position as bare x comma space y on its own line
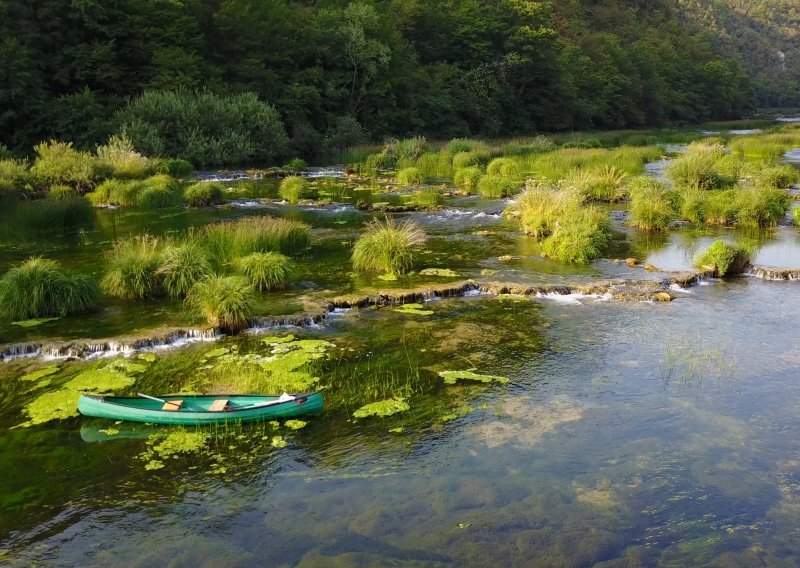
627, 290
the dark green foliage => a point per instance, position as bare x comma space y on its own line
224, 302
177, 168
723, 258
204, 128
39, 287
266, 270
203, 194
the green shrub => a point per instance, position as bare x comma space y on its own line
410, 176
653, 207
581, 235
39, 288
387, 247
61, 192
781, 176
505, 167
116, 192
436, 165
539, 144
175, 167
295, 188
14, 175
723, 258
203, 194
796, 216
58, 163
225, 302
406, 148
231, 239
204, 128
495, 187
601, 184
297, 165
428, 197
132, 268
123, 161
467, 178
183, 264
266, 270
761, 207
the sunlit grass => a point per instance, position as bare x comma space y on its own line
225, 302
387, 247
266, 270
132, 268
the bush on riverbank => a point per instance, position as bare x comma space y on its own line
119, 159
723, 258
39, 287
266, 270
387, 247
14, 175
225, 302
204, 194
58, 163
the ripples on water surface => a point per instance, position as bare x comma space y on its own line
630, 433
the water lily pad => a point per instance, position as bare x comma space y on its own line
275, 340
100, 381
413, 309
295, 424
33, 322
278, 442
39, 373
450, 377
57, 405
382, 408
444, 272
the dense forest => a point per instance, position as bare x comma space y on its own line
763, 34
340, 73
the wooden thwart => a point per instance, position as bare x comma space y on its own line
172, 405
218, 405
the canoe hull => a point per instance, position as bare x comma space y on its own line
193, 411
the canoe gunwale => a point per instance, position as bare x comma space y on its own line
103, 399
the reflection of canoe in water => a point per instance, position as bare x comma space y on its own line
200, 409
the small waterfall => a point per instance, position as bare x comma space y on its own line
772, 273
264, 324
21, 350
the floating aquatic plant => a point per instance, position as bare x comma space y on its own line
413, 309
451, 377
382, 408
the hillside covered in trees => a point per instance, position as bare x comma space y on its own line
763, 34
341, 72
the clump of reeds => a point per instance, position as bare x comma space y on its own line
653, 207
761, 207
496, 187
505, 167
183, 263
540, 207
203, 194
132, 268
580, 236
266, 270
781, 176
428, 197
224, 302
410, 176
606, 183
698, 171
467, 178
40, 287
231, 239
387, 247
295, 188
723, 258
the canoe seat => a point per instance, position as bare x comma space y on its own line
218, 405
172, 405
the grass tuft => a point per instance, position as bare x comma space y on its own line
132, 268
410, 176
266, 270
183, 264
387, 247
724, 258
224, 302
295, 188
203, 194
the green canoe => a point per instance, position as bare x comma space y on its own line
199, 409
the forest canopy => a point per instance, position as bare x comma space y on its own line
333, 73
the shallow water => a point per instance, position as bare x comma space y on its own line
628, 433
